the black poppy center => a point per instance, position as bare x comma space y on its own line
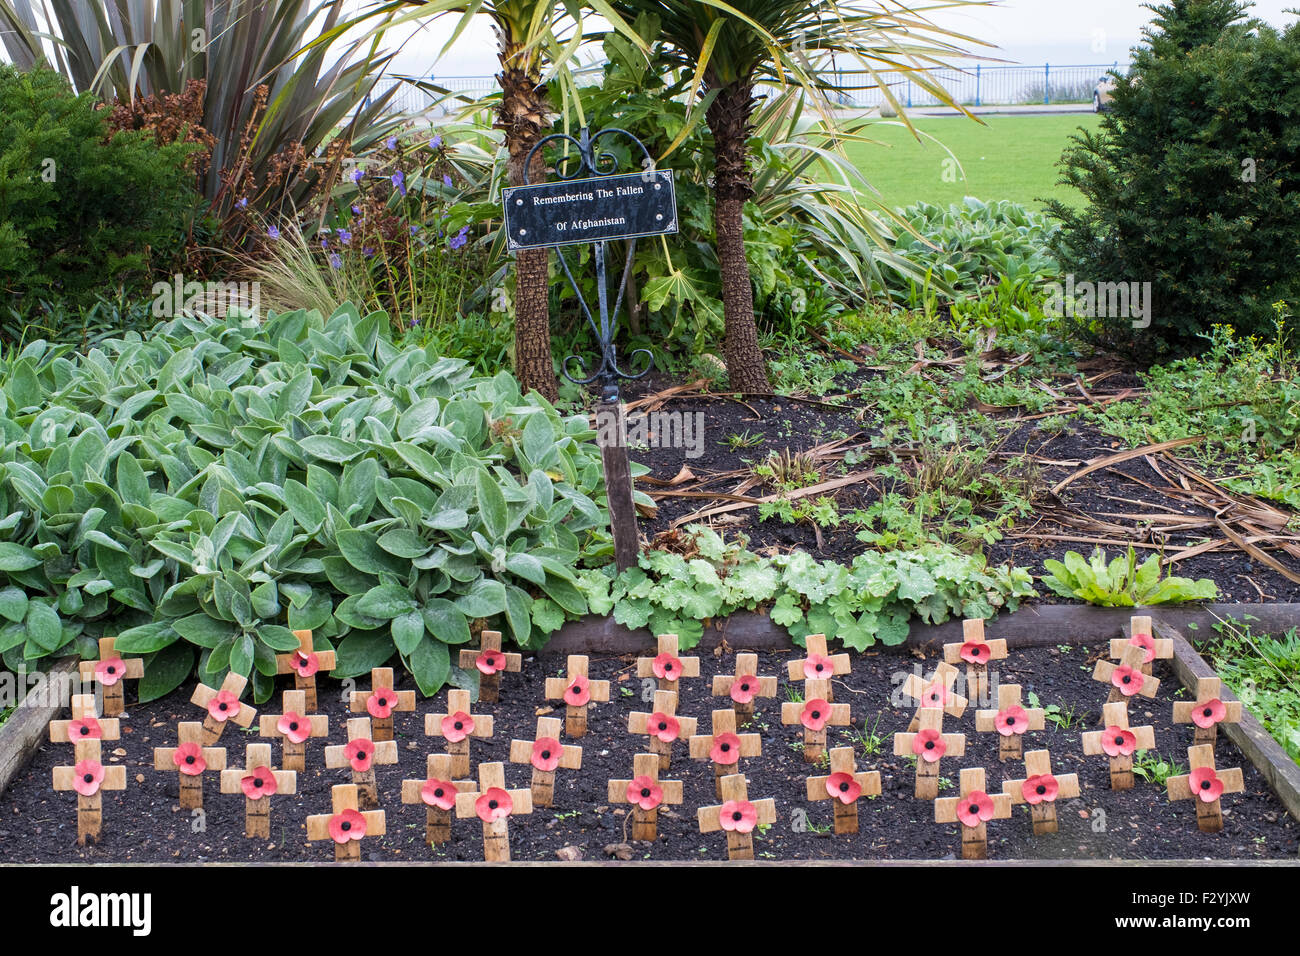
725, 747
85, 731
744, 687
663, 725
844, 786
346, 826
294, 725
929, 745
1208, 712
459, 725
1041, 789
111, 670
1205, 785
737, 815
816, 715
819, 668
974, 808
438, 792
257, 781
492, 804
1119, 741
645, 791
189, 760
1127, 679
89, 778
546, 755
222, 707
1011, 721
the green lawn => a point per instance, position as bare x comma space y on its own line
1011, 157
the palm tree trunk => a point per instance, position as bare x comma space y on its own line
728, 118
524, 115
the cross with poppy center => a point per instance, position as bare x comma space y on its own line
1126, 677
304, 664
662, 726
111, 673
546, 754
929, 744
490, 662
88, 777
258, 782
972, 808
646, 793
978, 652
737, 816
294, 727
724, 746
494, 805
458, 725
1010, 721
1207, 711
223, 706
844, 785
666, 665
939, 690
1119, 742
745, 685
1041, 789
1204, 785
818, 664
577, 691
362, 753
347, 825
189, 759
437, 791
381, 701
815, 714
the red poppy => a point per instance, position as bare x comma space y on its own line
726, 749
1127, 680
738, 815
1209, 713
666, 667
260, 783
928, 745
490, 662
381, 702
935, 695
110, 671
87, 728
360, 754
348, 825
1042, 788
456, 727
816, 713
815, 666
1012, 721
843, 787
644, 793
496, 804
305, 664
294, 726
188, 758
1148, 646
439, 793
87, 776
975, 808
663, 726
578, 692
224, 706
744, 689
546, 753
1117, 742
1206, 784
975, 652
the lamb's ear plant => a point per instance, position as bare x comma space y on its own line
1122, 582
206, 490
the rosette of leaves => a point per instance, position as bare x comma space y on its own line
205, 491
872, 600
1122, 582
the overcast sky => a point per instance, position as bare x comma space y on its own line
1026, 31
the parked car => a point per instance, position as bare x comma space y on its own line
1103, 94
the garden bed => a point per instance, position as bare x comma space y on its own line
146, 824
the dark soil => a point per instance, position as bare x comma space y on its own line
802, 424
145, 823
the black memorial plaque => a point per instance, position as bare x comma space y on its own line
590, 210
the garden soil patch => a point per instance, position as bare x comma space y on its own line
145, 823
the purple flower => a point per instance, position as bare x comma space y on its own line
243, 203
436, 142
399, 180
391, 142
414, 323
368, 251
357, 175
446, 180
460, 239
324, 243
335, 261
356, 210
272, 232
345, 236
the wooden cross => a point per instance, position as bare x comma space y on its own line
381, 700
294, 727
347, 825
1126, 678
303, 665
490, 661
1011, 720
725, 747
259, 783
977, 652
1118, 741
494, 805
744, 685
1040, 788
815, 714
1204, 785
223, 706
88, 776
84, 725
189, 759
973, 808
545, 753
667, 666
437, 791
843, 786
1208, 711
817, 664
1153, 648
576, 691
737, 816
929, 744
458, 725
109, 671
936, 692
361, 753
663, 726
646, 792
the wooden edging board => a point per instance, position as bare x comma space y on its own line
27, 726
1281, 772
1029, 626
